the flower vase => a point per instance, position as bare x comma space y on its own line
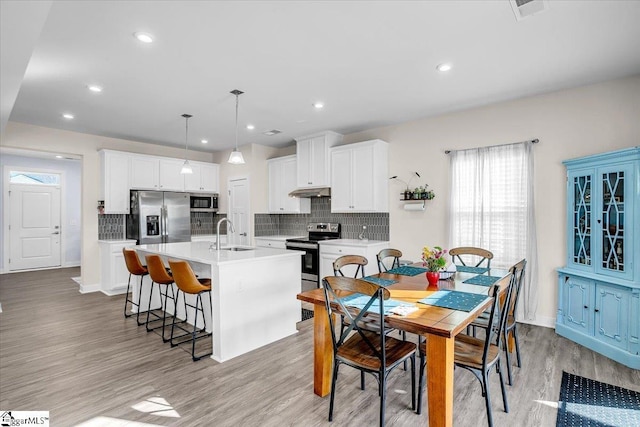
433, 277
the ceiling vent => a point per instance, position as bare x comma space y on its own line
526, 8
272, 132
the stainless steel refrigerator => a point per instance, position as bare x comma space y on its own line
159, 217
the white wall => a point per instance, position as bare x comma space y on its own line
29, 137
570, 123
71, 220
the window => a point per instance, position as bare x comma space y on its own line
37, 178
492, 207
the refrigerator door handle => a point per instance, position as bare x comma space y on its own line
165, 232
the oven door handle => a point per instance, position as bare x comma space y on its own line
301, 246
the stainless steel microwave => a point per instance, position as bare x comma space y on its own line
204, 203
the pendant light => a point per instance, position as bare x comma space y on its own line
236, 156
186, 167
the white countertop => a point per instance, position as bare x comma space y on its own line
110, 241
279, 238
352, 242
200, 252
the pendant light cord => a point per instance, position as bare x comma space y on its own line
237, 121
186, 137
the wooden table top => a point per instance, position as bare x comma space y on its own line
427, 319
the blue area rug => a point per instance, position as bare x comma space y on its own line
455, 300
585, 402
407, 270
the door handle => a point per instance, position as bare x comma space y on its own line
243, 234
57, 232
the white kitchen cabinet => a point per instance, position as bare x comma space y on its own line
145, 172
312, 153
113, 270
156, 173
331, 250
170, 177
204, 179
114, 188
270, 243
282, 180
359, 177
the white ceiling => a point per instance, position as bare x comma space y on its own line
371, 62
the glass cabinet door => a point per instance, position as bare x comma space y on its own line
614, 234
580, 232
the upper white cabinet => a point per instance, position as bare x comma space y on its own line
312, 153
145, 172
282, 180
170, 178
156, 173
204, 179
114, 188
360, 177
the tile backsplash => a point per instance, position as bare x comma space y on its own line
295, 224
112, 226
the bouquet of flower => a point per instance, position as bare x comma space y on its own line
433, 258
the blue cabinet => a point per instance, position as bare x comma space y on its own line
599, 289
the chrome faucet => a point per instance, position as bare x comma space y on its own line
218, 231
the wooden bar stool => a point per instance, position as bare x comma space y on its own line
135, 268
188, 283
162, 277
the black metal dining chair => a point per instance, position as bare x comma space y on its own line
364, 345
479, 356
476, 257
385, 254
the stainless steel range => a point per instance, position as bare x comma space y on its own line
311, 259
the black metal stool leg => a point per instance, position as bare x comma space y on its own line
139, 301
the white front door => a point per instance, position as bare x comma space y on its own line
34, 226
239, 211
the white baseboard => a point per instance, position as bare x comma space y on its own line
114, 292
544, 321
71, 264
85, 289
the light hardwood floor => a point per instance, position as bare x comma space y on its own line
77, 357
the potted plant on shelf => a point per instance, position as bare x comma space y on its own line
433, 259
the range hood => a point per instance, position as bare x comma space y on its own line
311, 192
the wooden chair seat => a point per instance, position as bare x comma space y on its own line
468, 351
355, 351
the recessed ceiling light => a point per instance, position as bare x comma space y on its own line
204, 141
68, 116
318, 105
58, 156
143, 37
250, 127
443, 67
95, 88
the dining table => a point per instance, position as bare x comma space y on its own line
439, 325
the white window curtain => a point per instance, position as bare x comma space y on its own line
492, 208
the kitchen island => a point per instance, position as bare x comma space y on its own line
253, 293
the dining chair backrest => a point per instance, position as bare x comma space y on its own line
185, 278
133, 263
518, 272
357, 260
388, 253
470, 253
498, 314
337, 290
157, 270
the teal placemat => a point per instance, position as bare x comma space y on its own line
455, 300
482, 280
379, 281
407, 270
466, 269
359, 301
